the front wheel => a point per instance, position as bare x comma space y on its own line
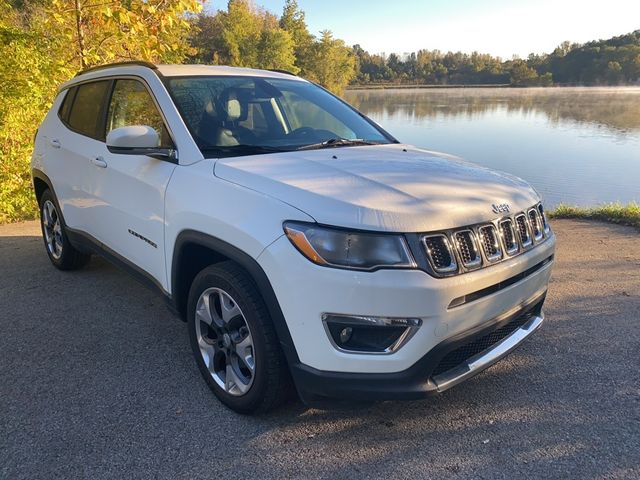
62, 254
234, 342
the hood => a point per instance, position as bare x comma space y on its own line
394, 188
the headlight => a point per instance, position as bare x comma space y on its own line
334, 247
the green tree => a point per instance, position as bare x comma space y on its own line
44, 43
275, 50
522, 75
293, 22
332, 63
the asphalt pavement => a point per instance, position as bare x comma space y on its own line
97, 381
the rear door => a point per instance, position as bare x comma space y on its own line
78, 132
129, 212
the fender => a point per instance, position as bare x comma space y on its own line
250, 265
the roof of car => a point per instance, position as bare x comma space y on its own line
189, 70
166, 70
173, 70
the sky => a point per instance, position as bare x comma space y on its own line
500, 27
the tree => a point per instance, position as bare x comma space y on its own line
522, 75
102, 32
275, 50
331, 63
44, 43
293, 21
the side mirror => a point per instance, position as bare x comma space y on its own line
138, 140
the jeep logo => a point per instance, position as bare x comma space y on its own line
500, 208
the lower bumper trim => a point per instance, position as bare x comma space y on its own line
324, 388
485, 359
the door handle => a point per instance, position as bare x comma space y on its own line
99, 162
55, 143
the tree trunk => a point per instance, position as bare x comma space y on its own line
80, 33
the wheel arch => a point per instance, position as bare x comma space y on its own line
41, 182
195, 250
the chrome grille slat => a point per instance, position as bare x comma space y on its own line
468, 251
523, 230
543, 218
490, 243
509, 238
464, 249
440, 253
536, 228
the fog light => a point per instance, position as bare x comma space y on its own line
345, 334
365, 334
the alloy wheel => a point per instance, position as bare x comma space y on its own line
225, 341
52, 229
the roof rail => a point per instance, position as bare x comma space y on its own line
118, 64
277, 70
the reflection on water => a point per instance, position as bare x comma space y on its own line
575, 145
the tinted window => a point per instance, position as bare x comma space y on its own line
65, 108
131, 104
86, 114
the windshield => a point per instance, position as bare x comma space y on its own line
246, 115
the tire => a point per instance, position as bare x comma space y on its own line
232, 335
62, 254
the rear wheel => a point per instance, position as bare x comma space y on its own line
234, 341
60, 251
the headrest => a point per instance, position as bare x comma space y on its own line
233, 109
233, 106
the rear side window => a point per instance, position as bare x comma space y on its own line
86, 115
65, 108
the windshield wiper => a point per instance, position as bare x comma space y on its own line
339, 142
241, 149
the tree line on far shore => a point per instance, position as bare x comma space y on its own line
615, 61
247, 35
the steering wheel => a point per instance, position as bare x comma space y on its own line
302, 132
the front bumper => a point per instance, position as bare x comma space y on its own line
426, 376
306, 291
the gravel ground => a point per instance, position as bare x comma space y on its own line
97, 381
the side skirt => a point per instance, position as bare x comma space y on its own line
87, 243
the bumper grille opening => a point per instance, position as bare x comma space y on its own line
465, 352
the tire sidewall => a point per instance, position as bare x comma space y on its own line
214, 277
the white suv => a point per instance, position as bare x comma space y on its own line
299, 240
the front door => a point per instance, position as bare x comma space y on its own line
131, 188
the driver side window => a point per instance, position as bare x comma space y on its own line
131, 104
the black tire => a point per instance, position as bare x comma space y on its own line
63, 256
271, 383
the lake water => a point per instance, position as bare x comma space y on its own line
574, 145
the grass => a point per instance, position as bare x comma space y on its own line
611, 212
